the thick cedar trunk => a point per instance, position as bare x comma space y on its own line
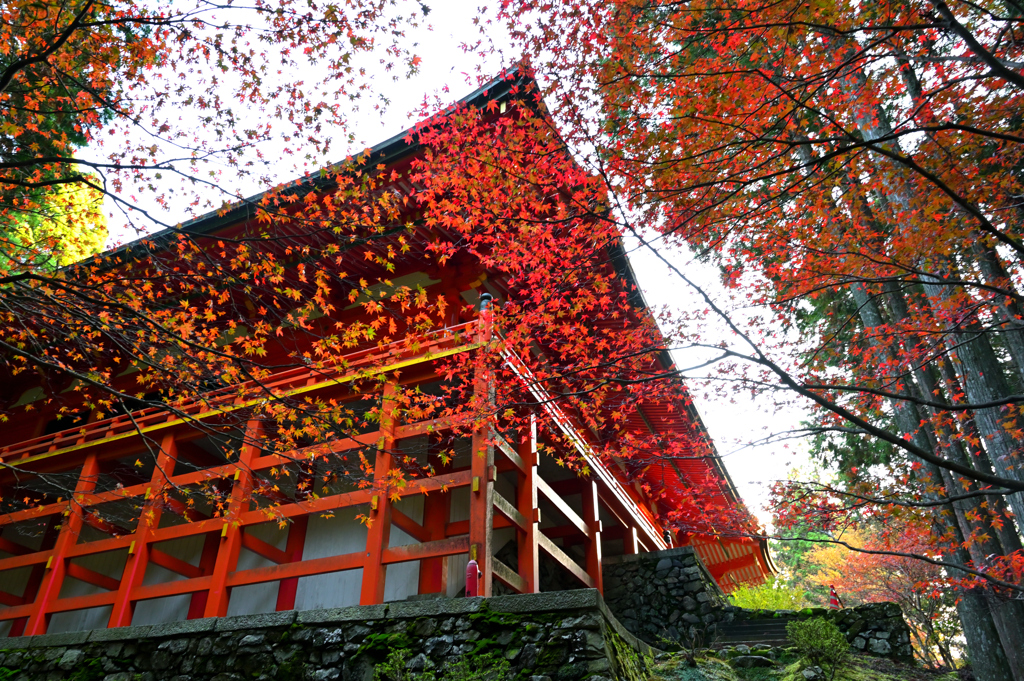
982, 379
930, 388
1008, 308
995, 632
994, 637
1008, 532
980, 371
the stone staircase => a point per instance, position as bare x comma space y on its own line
771, 631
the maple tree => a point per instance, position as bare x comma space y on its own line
921, 590
118, 101
213, 323
854, 170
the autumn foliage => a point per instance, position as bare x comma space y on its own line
321, 276
853, 169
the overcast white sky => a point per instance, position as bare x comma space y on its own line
733, 423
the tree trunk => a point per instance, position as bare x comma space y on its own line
996, 633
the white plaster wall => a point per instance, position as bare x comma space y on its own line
457, 564
256, 598
332, 537
171, 608
110, 564
402, 579
79, 620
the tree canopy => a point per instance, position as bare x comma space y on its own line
853, 169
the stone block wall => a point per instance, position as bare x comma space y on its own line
563, 636
874, 628
668, 598
663, 595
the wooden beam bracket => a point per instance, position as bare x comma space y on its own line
562, 507
508, 576
564, 560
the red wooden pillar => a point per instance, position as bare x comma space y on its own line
526, 503
49, 589
481, 495
288, 588
379, 532
138, 551
434, 571
231, 534
481, 506
593, 521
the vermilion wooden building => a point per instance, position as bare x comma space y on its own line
112, 557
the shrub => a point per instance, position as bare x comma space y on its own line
772, 595
820, 643
489, 667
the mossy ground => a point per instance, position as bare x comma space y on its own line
859, 668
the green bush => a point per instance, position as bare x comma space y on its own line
489, 667
772, 595
820, 643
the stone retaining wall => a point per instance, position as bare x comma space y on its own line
561, 636
874, 628
668, 597
663, 595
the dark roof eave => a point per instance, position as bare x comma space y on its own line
620, 260
386, 152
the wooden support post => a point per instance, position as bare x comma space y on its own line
481, 508
379, 532
138, 553
630, 542
593, 521
434, 571
526, 504
231, 534
481, 502
53, 580
288, 588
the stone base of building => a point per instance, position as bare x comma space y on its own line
558, 636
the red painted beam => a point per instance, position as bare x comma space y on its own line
82, 602
409, 526
169, 562
27, 559
10, 600
175, 588
14, 548
92, 577
304, 568
263, 549
431, 549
